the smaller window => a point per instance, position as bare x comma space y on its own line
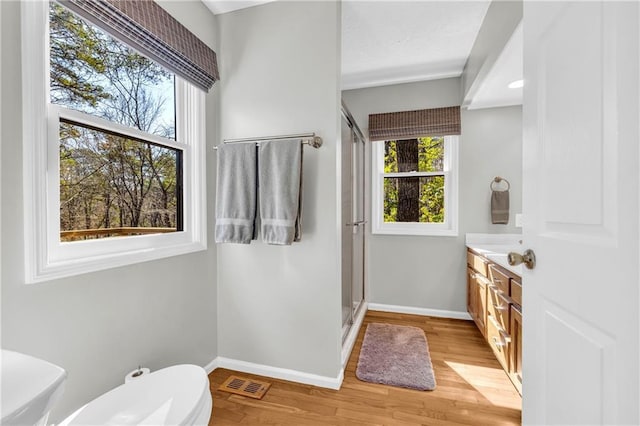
415, 186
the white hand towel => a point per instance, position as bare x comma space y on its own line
280, 177
236, 193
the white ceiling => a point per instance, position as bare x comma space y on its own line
388, 42
224, 6
494, 90
399, 41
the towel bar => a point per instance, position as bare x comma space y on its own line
308, 139
497, 180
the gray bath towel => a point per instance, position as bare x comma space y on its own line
280, 174
500, 207
236, 193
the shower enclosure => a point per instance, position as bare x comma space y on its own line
353, 220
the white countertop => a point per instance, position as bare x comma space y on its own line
495, 247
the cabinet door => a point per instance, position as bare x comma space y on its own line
498, 340
516, 291
481, 303
472, 293
515, 350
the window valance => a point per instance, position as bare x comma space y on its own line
414, 124
151, 30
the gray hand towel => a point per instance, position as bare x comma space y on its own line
280, 175
236, 193
500, 207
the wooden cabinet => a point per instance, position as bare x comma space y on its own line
499, 277
478, 263
477, 299
498, 305
494, 301
498, 339
515, 361
516, 291
472, 297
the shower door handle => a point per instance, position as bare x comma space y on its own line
358, 223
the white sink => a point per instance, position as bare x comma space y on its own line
30, 387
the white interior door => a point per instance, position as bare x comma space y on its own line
581, 194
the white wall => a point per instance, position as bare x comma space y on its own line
429, 272
99, 326
491, 146
280, 306
498, 25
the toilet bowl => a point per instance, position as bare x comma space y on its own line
177, 395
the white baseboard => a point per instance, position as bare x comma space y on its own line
350, 341
419, 311
276, 372
211, 366
325, 381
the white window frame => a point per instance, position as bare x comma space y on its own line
46, 257
450, 171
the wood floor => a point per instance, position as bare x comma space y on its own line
472, 388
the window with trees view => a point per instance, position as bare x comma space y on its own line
114, 157
415, 186
112, 184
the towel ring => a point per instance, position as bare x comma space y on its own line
497, 180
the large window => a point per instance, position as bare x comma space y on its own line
112, 185
113, 150
414, 186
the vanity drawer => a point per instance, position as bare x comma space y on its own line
516, 291
499, 341
498, 305
477, 263
499, 279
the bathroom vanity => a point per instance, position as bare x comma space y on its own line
494, 301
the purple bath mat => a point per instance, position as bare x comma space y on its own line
396, 355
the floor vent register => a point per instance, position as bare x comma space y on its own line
245, 387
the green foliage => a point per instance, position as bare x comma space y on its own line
77, 56
431, 188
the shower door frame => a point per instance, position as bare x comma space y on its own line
357, 185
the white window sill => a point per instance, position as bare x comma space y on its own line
390, 229
60, 269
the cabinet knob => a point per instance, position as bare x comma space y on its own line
499, 342
528, 258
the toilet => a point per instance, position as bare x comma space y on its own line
177, 395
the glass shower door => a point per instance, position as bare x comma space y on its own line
358, 208
346, 218
353, 221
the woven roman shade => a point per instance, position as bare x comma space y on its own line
152, 31
414, 124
